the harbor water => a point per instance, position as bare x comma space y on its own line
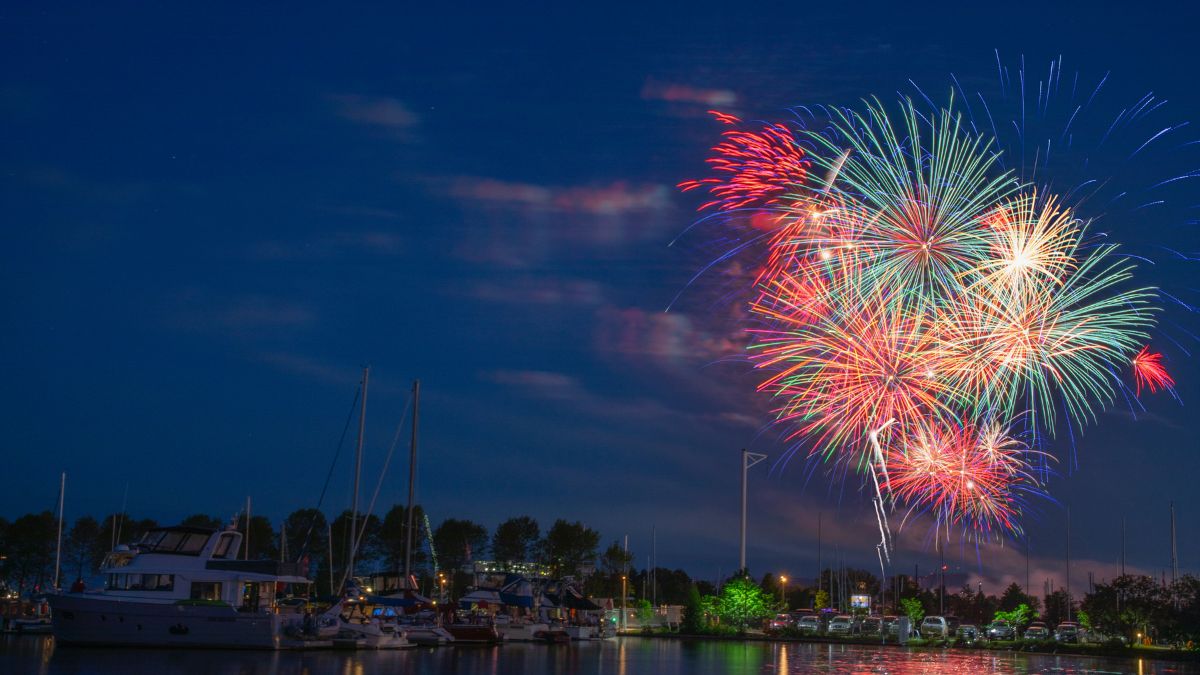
623, 656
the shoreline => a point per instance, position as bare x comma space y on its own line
1100, 651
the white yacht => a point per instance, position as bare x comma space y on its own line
185, 587
521, 630
374, 626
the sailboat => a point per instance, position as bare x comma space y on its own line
361, 622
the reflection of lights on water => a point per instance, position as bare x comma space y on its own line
782, 660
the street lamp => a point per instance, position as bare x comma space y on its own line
783, 590
624, 595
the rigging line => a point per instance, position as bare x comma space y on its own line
332, 466
383, 472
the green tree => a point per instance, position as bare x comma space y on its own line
1014, 596
1057, 607
515, 540
263, 543
458, 542
673, 586
710, 605
306, 532
78, 546
821, 599
615, 560
30, 550
613, 563
117, 529
393, 537
202, 520
1127, 605
743, 602
694, 621
368, 547
1018, 617
913, 609
569, 546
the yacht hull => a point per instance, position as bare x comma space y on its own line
103, 621
523, 632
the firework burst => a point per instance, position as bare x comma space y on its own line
920, 300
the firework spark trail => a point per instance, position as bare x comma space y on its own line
884, 547
921, 287
1149, 372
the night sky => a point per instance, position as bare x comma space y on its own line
213, 218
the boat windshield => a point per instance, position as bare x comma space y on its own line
181, 542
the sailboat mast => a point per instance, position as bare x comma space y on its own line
362, 422
246, 556
62, 488
1174, 550
1068, 563
1122, 545
412, 481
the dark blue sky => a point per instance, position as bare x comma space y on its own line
213, 217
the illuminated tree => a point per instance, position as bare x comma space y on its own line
913, 610
742, 602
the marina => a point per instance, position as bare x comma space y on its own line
600, 338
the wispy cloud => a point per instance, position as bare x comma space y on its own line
382, 113
538, 291
614, 199
517, 225
309, 368
638, 333
657, 90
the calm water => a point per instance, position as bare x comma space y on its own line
626, 656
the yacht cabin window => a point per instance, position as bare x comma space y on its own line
140, 582
173, 541
206, 590
224, 544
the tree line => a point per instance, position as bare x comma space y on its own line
1130, 607
566, 548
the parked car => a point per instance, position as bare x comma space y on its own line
967, 633
1001, 630
1067, 631
842, 625
938, 626
809, 625
1037, 631
891, 625
872, 625
780, 622
798, 614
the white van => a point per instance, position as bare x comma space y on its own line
937, 626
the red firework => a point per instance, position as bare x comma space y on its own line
965, 476
755, 167
1148, 371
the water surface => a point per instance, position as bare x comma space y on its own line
624, 656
